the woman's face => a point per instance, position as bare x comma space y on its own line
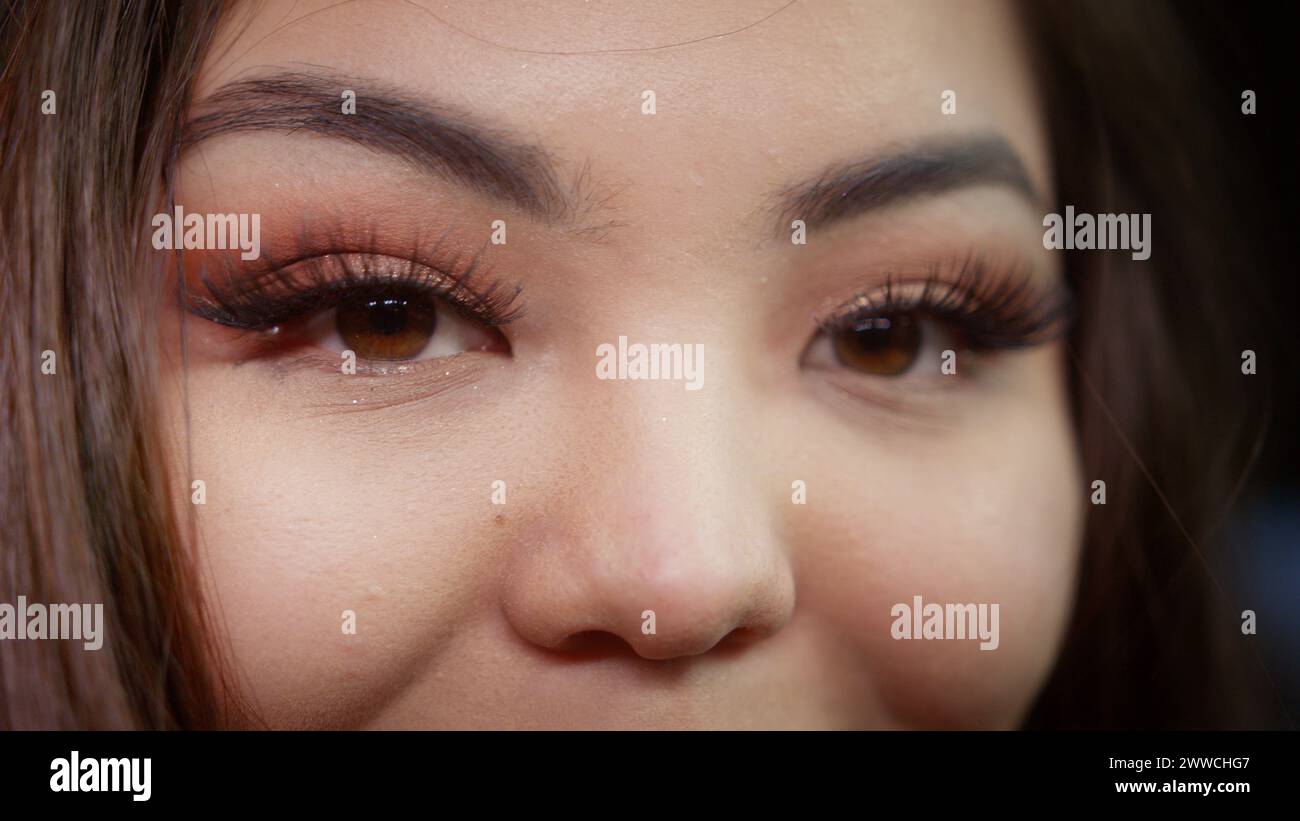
487, 503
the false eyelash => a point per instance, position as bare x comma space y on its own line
308, 281
990, 311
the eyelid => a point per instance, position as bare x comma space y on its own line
994, 308
318, 281
895, 296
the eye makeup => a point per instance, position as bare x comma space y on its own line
879, 341
884, 349
343, 304
984, 307
316, 273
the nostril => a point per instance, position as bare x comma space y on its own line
594, 644
738, 638
737, 641
598, 644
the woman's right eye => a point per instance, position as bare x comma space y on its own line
399, 327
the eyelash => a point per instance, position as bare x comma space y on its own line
312, 281
989, 311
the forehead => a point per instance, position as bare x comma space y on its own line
749, 97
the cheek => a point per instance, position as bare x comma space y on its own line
986, 513
313, 524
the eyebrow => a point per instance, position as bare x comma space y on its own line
432, 137
930, 167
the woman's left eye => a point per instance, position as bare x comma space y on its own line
399, 328
890, 344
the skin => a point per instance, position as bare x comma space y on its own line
626, 496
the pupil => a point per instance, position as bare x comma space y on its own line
387, 316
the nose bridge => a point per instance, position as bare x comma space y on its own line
664, 544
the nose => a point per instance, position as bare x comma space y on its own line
667, 549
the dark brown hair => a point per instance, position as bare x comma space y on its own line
84, 499
1164, 414
85, 511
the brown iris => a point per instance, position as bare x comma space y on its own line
386, 327
883, 346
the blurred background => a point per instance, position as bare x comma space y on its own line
1252, 46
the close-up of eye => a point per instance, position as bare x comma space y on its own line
743, 365
905, 328
383, 310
